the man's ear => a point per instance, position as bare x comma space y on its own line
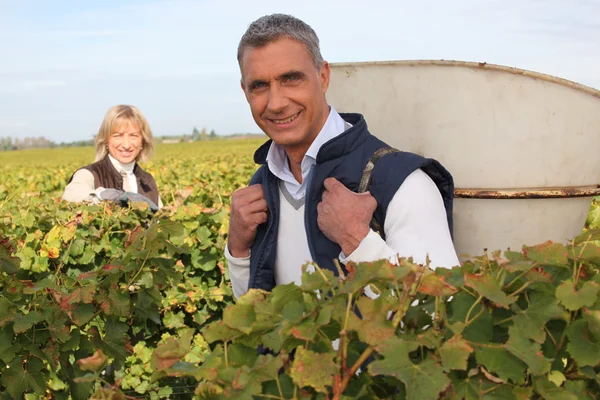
324, 75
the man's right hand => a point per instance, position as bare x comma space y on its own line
248, 211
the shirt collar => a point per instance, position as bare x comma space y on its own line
334, 126
128, 168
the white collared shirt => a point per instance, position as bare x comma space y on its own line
279, 165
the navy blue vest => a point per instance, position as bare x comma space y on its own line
344, 158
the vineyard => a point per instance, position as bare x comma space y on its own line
111, 302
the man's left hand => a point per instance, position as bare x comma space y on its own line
344, 216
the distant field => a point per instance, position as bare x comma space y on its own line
174, 166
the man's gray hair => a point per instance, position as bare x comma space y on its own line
269, 28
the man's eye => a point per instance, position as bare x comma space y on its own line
259, 85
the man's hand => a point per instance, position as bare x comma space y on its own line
248, 211
344, 216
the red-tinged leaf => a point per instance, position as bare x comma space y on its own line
435, 285
93, 363
548, 253
314, 370
133, 236
170, 352
85, 294
112, 267
488, 287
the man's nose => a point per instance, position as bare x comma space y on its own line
277, 99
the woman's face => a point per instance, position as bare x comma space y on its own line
125, 142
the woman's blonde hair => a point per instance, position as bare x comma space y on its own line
117, 116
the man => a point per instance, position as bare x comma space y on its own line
301, 204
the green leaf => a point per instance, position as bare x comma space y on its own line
523, 393
321, 281
549, 391
542, 308
582, 347
218, 331
488, 287
423, 381
114, 340
574, 299
593, 218
239, 355
25, 322
516, 262
526, 350
374, 327
8, 263
88, 255
455, 353
82, 314
23, 375
593, 319
479, 330
313, 369
579, 389
120, 303
548, 253
172, 320
173, 350
240, 317
502, 363
7, 348
556, 377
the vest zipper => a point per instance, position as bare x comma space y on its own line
306, 209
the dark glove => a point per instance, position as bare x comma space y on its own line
111, 194
126, 197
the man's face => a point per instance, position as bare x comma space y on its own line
286, 92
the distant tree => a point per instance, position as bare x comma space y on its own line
203, 134
213, 134
195, 135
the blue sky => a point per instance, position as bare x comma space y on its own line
65, 62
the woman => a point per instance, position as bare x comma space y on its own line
123, 140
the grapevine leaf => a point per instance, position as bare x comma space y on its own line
488, 287
423, 381
548, 253
93, 363
502, 363
549, 391
313, 369
574, 299
455, 353
582, 347
527, 351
